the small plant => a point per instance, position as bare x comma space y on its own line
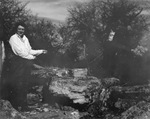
100, 96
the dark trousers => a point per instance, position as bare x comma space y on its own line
15, 83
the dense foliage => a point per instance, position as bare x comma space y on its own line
91, 24
83, 41
41, 33
11, 11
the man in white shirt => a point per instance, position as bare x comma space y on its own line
20, 68
21, 46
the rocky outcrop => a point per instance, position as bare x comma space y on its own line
104, 98
77, 89
74, 83
138, 111
44, 111
8, 112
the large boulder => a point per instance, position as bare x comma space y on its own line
77, 89
74, 84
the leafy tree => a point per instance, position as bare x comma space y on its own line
95, 20
12, 11
125, 18
38, 30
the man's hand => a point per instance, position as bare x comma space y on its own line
44, 51
31, 57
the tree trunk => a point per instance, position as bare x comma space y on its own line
2, 56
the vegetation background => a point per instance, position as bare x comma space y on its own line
83, 40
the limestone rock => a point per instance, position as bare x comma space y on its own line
75, 88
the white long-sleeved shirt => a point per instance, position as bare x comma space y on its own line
21, 47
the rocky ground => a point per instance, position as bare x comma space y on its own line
39, 111
80, 97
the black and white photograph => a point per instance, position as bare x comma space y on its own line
74, 59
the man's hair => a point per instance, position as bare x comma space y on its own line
19, 23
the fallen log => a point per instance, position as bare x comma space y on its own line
132, 89
136, 93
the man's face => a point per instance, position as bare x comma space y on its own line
111, 36
20, 30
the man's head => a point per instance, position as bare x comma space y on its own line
111, 35
20, 29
